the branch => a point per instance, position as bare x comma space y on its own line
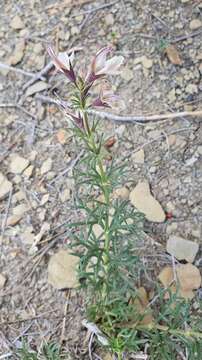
130, 119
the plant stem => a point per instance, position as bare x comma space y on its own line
105, 185
187, 333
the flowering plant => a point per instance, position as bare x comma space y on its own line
104, 240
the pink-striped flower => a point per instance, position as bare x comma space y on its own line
76, 118
102, 66
63, 63
106, 98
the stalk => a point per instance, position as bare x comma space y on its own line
93, 147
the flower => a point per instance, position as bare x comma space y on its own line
106, 98
63, 63
77, 119
102, 66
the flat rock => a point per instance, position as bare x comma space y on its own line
195, 24
127, 74
122, 193
16, 23
5, 186
142, 199
46, 166
18, 164
37, 87
181, 248
18, 53
62, 270
138, 156
2, 281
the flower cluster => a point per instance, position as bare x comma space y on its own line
100, 67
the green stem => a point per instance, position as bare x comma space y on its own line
187, 333
92, 145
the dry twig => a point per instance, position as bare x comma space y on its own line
130, 119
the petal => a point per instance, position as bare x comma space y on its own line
100, 59
56, 61
112, 65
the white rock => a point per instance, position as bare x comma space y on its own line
5, 186
46, 166
138, 156
2, 281
16, 23
28, 172
18, 164
195, 24
146, 62
142, 199
181, 248
122, 193
18, 53
37, 87
109, 19
127, 74
62, 270
65, 195
191, 89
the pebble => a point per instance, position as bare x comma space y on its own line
142, 199
16, 23
46, 166
18, 53
18, 164
37, 87
191, 89
109, 19
2, 281
181, 248
62, 272
195, 24
127, 74
65, 195
138, 156
122, 193
5, 186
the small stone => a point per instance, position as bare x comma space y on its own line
5, 186
18, 53
44, 199
28, 172
20, 209
172, 95
65, 195
16, 23
28, 236
146, 62
171, 139
46, 166
62, 270
62, 136
191, 89
199, 150
195, 24
37, 87
122, 193
138, 156
74, 30
181, 248
109, 19
2, 281
142, 199
127, 74
18, 164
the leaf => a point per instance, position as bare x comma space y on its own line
173, 55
